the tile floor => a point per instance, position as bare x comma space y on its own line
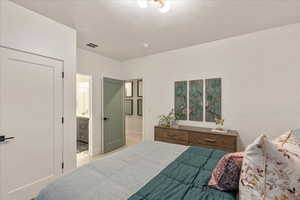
84, 157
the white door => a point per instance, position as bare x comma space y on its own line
31, 111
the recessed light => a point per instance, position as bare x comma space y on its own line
92, 45
146, 45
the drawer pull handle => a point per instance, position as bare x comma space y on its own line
210, 140
172, 136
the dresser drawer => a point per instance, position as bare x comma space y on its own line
209, 140
172, 134
198, 136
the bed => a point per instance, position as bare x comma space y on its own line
141, 172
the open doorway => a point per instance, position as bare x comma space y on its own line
133, 111
83, 116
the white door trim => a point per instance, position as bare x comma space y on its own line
69, 107
144, 103
92, 133
35, 54
58, 112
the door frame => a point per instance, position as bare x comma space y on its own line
144, 103
102, 108
61, 109
69, 105
143, 106
91, 125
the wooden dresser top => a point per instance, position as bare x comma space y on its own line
202, 130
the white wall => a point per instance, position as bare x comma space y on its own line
25, 30
134, 125
97, 66
1, 17
260, 71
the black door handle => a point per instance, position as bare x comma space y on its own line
4, 139
105, 118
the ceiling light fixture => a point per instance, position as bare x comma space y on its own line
163, 5
146, 45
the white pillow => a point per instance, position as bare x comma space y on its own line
252, 177
271, 169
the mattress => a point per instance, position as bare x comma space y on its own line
114, 177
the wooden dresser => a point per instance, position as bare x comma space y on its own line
197, 136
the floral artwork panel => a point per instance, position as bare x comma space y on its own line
128, 107
196, 100
140, 107
213, 99
181, 100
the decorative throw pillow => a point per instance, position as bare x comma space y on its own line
289, 140
277, 175
283, 167
226, 174
252, 176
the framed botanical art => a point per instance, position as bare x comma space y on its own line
193, 102
213, 108
128, 89
140, 107
140, 88
181, 100
128, 107
196, 100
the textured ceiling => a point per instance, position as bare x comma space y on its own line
121, 27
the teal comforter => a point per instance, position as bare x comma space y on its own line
186, 178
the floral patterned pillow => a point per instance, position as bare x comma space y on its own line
283, 167
226, 174
289, 140
252, 178
276, 174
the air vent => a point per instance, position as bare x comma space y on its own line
92, 45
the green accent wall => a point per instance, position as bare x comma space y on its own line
213, 99
181, 100
196, 100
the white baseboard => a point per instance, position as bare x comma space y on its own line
134, 133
